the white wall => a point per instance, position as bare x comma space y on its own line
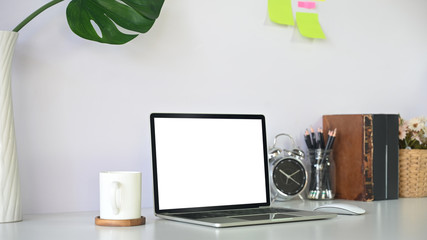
82, 107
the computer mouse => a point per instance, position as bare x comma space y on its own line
341, 208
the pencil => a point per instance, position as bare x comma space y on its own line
327, 147
313, 137
322, 140
307, 139
333, 138
328, 143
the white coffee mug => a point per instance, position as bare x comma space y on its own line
120, 195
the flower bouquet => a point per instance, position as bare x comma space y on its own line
413, 157
413, 133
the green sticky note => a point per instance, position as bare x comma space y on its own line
309, 26
280, 11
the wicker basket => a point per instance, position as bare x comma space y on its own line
412, 172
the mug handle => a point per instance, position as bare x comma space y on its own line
116, 197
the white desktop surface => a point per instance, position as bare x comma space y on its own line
405, 218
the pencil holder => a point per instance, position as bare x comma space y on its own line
322, 180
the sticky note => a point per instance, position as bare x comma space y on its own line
280, 11
309, 26
308, 5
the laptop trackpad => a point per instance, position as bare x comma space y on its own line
265, 216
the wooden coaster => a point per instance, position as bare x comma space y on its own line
120, 223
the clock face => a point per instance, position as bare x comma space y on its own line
289, 176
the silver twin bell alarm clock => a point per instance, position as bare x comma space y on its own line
288, 174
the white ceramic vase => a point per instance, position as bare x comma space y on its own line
10, 192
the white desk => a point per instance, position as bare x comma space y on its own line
392, 219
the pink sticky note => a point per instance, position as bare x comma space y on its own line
308, 5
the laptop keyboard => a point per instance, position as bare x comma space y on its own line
239, 212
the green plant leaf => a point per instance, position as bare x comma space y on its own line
148, 8
134, 15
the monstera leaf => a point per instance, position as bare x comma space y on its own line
98, 20
134, 15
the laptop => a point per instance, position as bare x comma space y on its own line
212, 170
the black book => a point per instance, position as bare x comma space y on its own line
386, 156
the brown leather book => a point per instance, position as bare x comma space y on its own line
366, 155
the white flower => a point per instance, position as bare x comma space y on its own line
415, 124
402, 131
424, 125
417, 138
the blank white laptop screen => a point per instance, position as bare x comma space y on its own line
204, 162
